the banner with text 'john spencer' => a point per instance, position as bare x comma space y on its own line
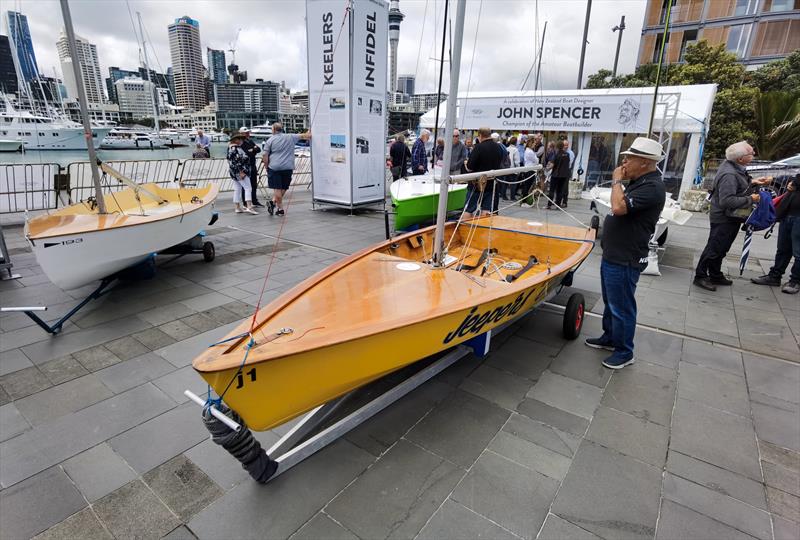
347, 56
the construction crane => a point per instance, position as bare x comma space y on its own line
236, 76
232, 48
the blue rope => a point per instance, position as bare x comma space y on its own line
218, 401
250, 345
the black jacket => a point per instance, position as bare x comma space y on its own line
561, 165
400, 156
729, 193
790, 205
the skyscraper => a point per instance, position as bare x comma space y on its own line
8, 74
187, 63
216, 66
22, 46
395, 18
90, 69
405, 84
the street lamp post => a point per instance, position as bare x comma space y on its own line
621, 29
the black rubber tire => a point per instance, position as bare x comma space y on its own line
573, 316
663, 238
208, 252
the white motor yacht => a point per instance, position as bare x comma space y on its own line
8, 145
131, 139
261, 133
38, 132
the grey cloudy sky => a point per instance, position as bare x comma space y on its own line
272, 43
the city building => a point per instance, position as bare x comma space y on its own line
216, 66
205, 119
405, 84
293, 116
136, 96
116, 74
425, 102
300, 98
248, 97
233, 120
89, 68
22, 49
395, 18
757, 31
187, 63
8, 73
98, 112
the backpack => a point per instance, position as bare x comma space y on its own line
505, 163
763, 215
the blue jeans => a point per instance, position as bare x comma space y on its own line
618, 284
788, 247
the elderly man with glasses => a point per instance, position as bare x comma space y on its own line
459, 155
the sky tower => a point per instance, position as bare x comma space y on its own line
395, 18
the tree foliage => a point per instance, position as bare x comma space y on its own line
739, 95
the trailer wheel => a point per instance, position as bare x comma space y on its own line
573, 316
208, 252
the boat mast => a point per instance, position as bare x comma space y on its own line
539, 62
147, 72
450, 124
84, 106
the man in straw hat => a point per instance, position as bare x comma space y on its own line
626, 235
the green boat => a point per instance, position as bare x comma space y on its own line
415, 200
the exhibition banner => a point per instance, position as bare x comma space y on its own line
347, 99
611, 113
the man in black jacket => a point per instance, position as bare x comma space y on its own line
400, 155
728, 195
483, 198
250, 148
788, 242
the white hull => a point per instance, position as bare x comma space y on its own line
422, 185
57, 138
10, 146
128, 144
74, 260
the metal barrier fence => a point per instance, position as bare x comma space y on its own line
47, 186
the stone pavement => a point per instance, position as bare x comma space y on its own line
699, 439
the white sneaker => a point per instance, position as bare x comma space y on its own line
238, 210
251, 211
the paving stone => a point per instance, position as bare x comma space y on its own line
98, 471
705, 334
239, 308
162, 438
418, 484
781, 478
544, 328
62, 369
530, 455
126, 348
542, 435
96, 358
497, 386
556, 528
784, 504
24, 382
133, 511
455, 374
83, 525
567, 394
182, 486
384, 429
725, 509
715, 478
630, 435
522, 357
180, 533
773, 377
37, 504
514, 497
677, 521
218, 464
778, 426
200, 322
125, 375
577, 361
63, 399
13, 360
221, 315
785, 529
453, 520
12, 423
716, 389
711, 356
609, 494
638, 393
459, 428
4, 397
186, 378
178, 330
51, 443
551, 416
291, 499
780, 456
322, 527
181, 354
153, 338
164, 314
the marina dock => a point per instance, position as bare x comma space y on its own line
699, 438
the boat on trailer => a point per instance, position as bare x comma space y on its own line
416, 198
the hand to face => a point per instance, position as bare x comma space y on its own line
620, 173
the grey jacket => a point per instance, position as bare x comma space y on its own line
730, 185
458, 158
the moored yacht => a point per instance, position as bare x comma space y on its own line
37, 132
131, 139
261, 133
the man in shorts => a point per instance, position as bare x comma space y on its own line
278, 158
486, 156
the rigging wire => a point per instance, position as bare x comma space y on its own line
421, 34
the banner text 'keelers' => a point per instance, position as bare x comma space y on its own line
369, 79
327, 51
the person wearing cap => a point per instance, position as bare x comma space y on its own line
626, 235
239, 169
486, 156
728, 195
250, 148
278, 158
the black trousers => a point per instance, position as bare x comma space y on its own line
720, 240
558, 193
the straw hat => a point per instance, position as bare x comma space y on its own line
238, 137
646, 148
